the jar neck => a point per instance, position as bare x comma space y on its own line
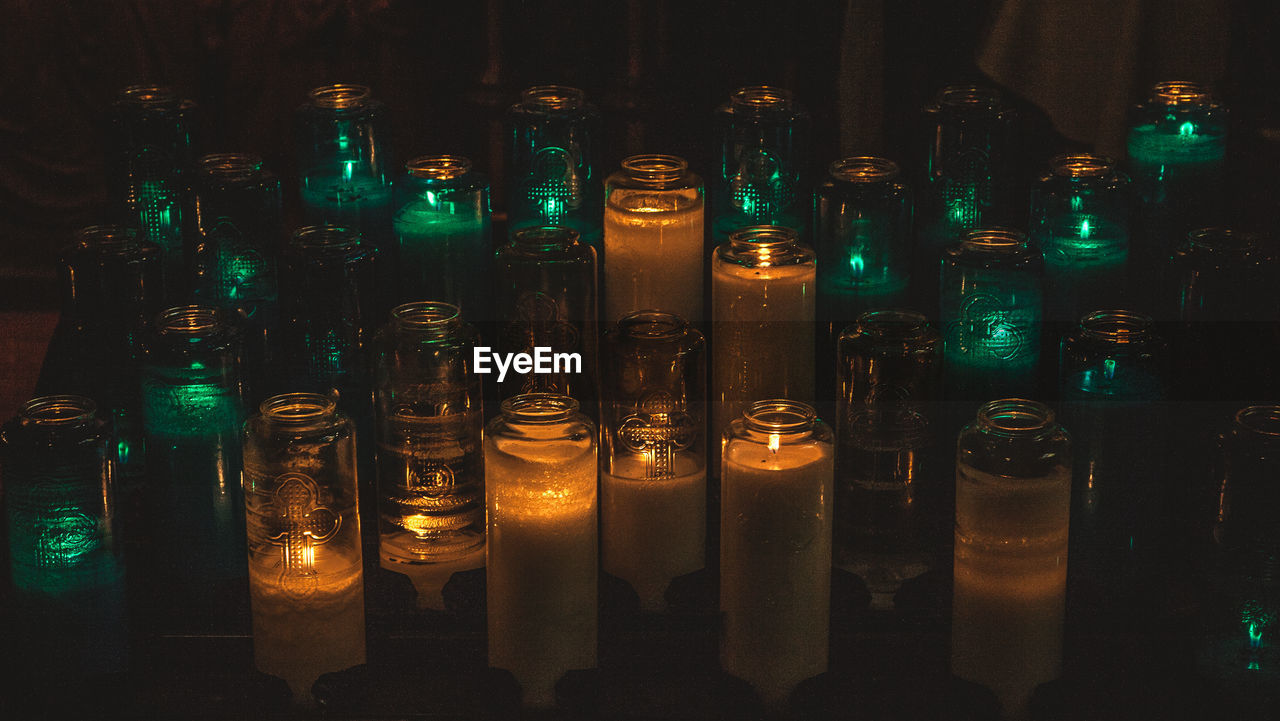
340, 96
107, 241
1262, 421
299, 410
1116, 327
780, 419
1016, 418
146, 98
192, 323
552, 99
760, 100
995, 241
231, 168
329, 242
1181, 92
893, 325
763, 246
429, 318
1221, 241
63, 411
655, 171
545, 238
539, 408
864, 169
652, 325
1082, 165
438, 167
969, 98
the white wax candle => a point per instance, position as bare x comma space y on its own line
762, 338
1010, 582
654, 528
307, 625
775, 564
653, 260
542, 561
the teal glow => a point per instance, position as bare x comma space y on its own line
1109, 369
1256, 620
348, 170
856, 266
1187, 129
344, 141
1077, 203
193, 410
1084, 229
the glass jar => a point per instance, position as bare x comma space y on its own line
653, 228
149, 164
1080, 221
111, 284
306, 580
551, 162
970, 168
540, 500
344, 161
762, 175
775, 547
429, 417
762, 305
443, 234
1013, 500
654, 478
239, 226
68, 602
889, 368
545, 297
192, 407
991, 312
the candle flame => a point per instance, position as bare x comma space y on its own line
1187, 129
775, 442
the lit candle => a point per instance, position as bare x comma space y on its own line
775, 547
762, 298
306, 582
540, 497
653, 238
1178, 139
1013, 496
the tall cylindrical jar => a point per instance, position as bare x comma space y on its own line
149, 163
775, 547
654, 478
540, 499
545, 297
68, 598
344, 161
888, 369
762, 301
192, 407
552, 162
1013, 499
762, 163
991, 313
429, 418
111, 284
443, 234
653, 228
1080, 221
306, 581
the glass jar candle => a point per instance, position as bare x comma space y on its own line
1080, 221
551, 162
306, 581
429, 417
192, 407
540, 501
443, 234
762, 301
545, 297
775, 547
149, 164
653, 230
888, 368
991, 312
68, 596
654, 477
762, 174
1013, 500
239, 226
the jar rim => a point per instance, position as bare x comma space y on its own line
655, 168
760, 98
552, 98
297, 409
1082, 165
863, 169
1181, 92
190, 320
778, 416
539, 408
546, 236
995, 240
426, 314
892, 323
326, 237
108, 239
340, 96
969, 96
1015, 417
1221, 240
58, 410
1117, 325
1262, 420
149, 95
231, 167
438, 167
652, 324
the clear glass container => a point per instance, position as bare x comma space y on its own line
545, 297
67, 608
192, 407
888, 368
653, 230
429, 418
654, 473
1223, 275
1013, 501
540, 498
991, 313
443, 234
775, 547
239, 229
306, 580
762, 173
1080, 222
111, 285
150, 160
762, 303
551, 163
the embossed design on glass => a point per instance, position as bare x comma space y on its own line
653, 483
239, 225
